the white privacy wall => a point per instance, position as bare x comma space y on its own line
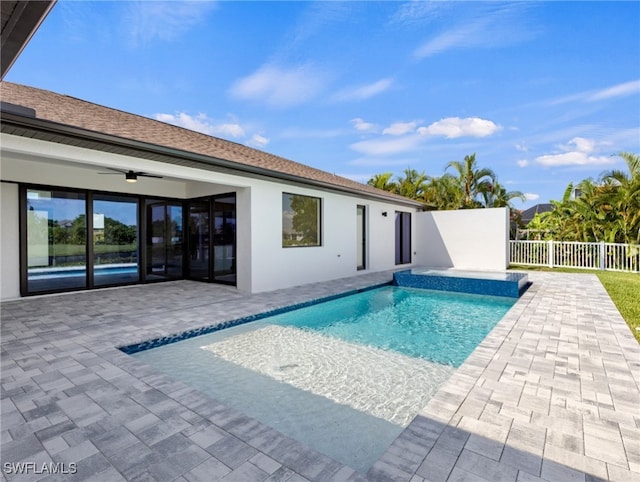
474, 239
9, 242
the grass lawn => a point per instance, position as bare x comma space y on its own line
623, 288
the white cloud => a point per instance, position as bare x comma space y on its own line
523, 163
492, 25
577, 152
400, 128
387, 146
453, 127
202, 123
363, 92
619, 90
281, 87
521, 147
363, 178
362, 126
531, 196
258, 141
147, 21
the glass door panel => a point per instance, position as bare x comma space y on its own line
56, 240
360, 237
115, 240
175, 241
199, 240
164, 240
224, 239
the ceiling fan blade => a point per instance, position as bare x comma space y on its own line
142, 174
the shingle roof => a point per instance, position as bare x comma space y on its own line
77, 113
528, 214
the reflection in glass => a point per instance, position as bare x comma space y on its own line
115, 240
56, 241
300, 220
199, 240
224, 239
164, 240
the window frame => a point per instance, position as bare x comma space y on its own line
318, 242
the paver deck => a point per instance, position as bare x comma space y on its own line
551, 394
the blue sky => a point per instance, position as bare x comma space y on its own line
543, 92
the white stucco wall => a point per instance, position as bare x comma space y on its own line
275, 266
474, 239
9, 242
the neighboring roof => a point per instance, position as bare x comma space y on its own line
19, 21
70, 120
528, 214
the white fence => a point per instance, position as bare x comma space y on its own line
604, 256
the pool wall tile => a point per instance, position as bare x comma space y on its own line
511, 287
166, 340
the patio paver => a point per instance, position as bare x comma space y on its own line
551, 394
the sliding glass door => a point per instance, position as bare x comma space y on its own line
224, 239
199, 242
115, 240
56, 237
212, 239
164, 240
75, 239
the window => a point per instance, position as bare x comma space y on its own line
300, 220
115, 240
56, 234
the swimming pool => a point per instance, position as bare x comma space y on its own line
345, 377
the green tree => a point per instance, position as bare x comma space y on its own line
472, 179
412, 184
442, 192
383, 181
494, 195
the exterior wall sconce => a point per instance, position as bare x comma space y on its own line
384, 214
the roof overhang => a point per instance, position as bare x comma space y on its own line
20, 20
15, 123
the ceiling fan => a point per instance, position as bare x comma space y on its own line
130, 176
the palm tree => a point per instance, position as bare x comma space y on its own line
623, 194
471, 179
494, 195
412, 184
383, 181
442, 192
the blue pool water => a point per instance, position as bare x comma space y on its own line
344, 376
438, 326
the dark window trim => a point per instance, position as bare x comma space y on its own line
362, 263
404, 255
89, 195
320, 221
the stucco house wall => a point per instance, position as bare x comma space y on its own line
262, 262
